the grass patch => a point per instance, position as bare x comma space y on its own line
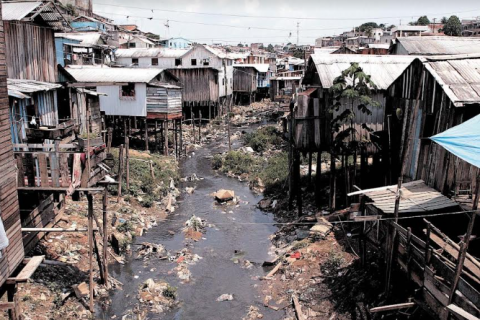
274, 173
236, 162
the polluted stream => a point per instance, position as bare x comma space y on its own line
237, 233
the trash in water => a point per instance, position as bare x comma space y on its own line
225, 297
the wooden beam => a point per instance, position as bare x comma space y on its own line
393, 307
461, 313
62, 190
53, 230
28, 270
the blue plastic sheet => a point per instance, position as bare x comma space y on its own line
463, 141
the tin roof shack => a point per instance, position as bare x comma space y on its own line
161, 58
313, 131
29, 39
13, 254
282, 87
81, 49
435, 46
432, 95
141, 94
245, 82
84, 23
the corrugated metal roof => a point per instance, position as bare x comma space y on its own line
18, 10
17, 94
150, 53
107, 75
286, 78
459, 78
440, 45
91, 92
86, 38
30, 86
384, 70
379, 45
260, 67
410, 28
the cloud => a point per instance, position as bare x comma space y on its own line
252, 6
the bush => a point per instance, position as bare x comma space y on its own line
125, 227
217, 161
148, 201
263, 138
275, 173
238, 163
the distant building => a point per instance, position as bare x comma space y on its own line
84, 23
430, 46
471, 28
408, 31
176, 43
256, 46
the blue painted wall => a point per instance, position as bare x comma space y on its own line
59, 42
88, 26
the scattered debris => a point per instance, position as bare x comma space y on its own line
253, 313
159, 296
224, 195
148, 250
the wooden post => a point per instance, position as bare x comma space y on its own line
90, 247
14, 313
291, 178
105, 235
228, 125
109, 142
333, 183
310, 160
193, 123
181, 138
465, 243
298, 182
393, 236
318, 179
165, 146
127, 161
120, 171
427, 243
200, 127
175, 137
146, 135
89, 165
152, 172
156, 136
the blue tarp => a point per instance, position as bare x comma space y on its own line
463, 141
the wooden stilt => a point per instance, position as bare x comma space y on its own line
318, 179
120, 171
174, 122
105, 235
392, 238
291, 177
156, 136
146, 135
110, 137
465, 243
193, 123
200, 127
298, 183
333, 183
181, 137
152, 172
127, 162
90, 248
165, 124
13, 313
310, 160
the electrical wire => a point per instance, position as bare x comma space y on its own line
282, 17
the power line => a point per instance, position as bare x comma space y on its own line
281, 17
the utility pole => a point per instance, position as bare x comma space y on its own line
298, 33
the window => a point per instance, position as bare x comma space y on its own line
132, 45
127, 92
178, 62
206, 62
223, 81
135, 61
154, 61
194, 62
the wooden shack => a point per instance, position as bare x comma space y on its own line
245, 82
431, 96
313, 130
29, 39
282, 87
135, 95
13, 254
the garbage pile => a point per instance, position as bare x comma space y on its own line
159, 296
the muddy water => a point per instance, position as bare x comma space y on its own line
246, 230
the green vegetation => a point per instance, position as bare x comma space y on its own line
125, 227
422, 21
274, 174
237, 163
334, 262
141, 181
263, 139
453, 27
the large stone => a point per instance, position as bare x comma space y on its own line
224, 195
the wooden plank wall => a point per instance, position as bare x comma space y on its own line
9, 208
30, 52
426, 160
245, 80
199, 85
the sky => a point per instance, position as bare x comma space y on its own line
271, 21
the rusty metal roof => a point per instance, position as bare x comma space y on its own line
18, 10
384, 70
109, 75
150, 53
459, 77
30, 86
440, 45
